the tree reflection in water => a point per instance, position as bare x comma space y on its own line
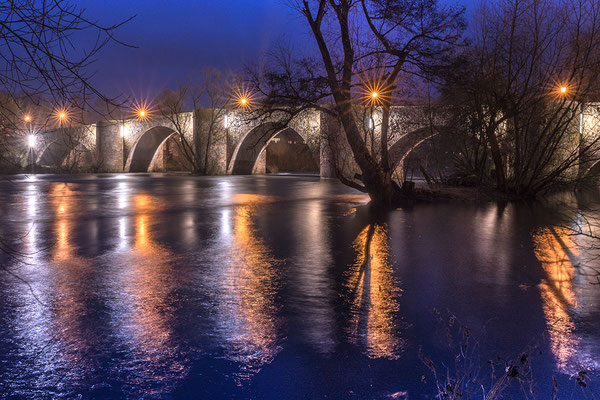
373, 294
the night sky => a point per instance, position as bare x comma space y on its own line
177, 39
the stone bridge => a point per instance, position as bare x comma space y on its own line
237, 144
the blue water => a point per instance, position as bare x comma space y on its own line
283, 287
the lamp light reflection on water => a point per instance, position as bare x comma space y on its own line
313, 279
247, 318
225, 222
122, 194
144, 310
32, 211
558, 253
122, 232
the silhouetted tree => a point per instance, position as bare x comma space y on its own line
364, 48
519, 131
175, 106
45, 57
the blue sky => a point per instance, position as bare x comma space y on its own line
176, 39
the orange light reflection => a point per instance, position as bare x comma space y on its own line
71, 274
249, 320
555, 249
148, 282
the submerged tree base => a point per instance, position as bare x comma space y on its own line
451, 194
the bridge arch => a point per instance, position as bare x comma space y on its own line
146, 147
411, 141
255, 142
66, 149
593, 172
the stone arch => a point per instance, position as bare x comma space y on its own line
409, 142
254, 143
145, 149
593, 172
66, 148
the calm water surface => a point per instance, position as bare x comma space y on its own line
138, 286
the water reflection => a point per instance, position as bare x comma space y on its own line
248, 281
72, 275
63, 206
312, 279
374, 295
147, 283
563, 291
150, 293
34, 347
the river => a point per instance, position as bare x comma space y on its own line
285, 287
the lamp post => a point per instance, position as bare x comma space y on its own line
375, 100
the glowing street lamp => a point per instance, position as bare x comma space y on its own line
242, 97
31, 141
374, 93
243, 102
563, 89
141, 110
142, 113
62, 116
27, 118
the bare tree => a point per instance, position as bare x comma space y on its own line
364, 47
200, 148
41, 54
45, 58
172, 106
523, 92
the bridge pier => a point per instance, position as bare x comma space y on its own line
109, 145
329, 135
210, 142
